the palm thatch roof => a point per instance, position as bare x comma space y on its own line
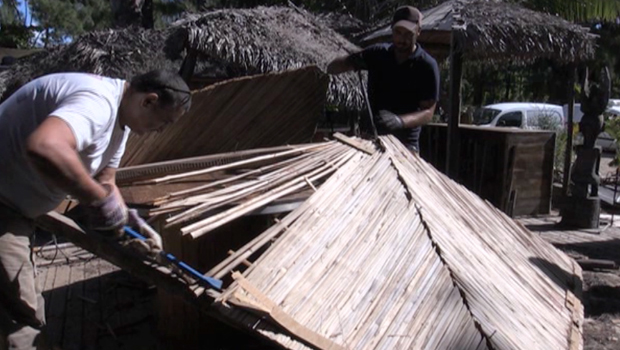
232, 43
270, 39
115, 53
499, 31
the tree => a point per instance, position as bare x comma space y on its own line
61, 20
14, 33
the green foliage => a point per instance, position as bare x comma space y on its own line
577, 10
63, 19
561, 138
13, 31
15, 36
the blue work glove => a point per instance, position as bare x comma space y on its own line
389, 121
108, 214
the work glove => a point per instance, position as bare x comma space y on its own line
389, 121
107, 214
153, 243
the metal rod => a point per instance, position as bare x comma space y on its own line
370, 114
213, 282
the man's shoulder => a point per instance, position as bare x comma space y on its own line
79, 80
424, 56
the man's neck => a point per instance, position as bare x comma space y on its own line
122, 118
402, 57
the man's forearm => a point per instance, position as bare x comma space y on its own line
339, 65
419, 118
61, 165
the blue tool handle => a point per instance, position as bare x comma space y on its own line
128, 230
213, 282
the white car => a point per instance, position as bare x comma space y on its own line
523, 115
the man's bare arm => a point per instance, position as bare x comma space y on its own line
52, 149
339, 65
421, 117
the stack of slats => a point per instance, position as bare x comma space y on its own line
259, 181
391, 254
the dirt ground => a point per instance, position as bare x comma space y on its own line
601, 288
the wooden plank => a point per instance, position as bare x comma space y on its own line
284, 320
354, 143
92, 305
58, 302
72, 337
113, 252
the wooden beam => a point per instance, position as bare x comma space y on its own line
122, 257
187, 67
568, 151
354, 143
456, 77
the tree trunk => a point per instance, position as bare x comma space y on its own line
127, 13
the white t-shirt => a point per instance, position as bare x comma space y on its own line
88, 104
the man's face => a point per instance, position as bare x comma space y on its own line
404, 39
148, 115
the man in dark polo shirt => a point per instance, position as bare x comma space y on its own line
403, 79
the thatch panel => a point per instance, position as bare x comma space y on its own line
270, 39
391, 254
494, 29
239, 114
114, 53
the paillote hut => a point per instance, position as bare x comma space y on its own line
511, 168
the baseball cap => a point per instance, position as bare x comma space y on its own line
407, 17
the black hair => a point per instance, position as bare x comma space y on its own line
170, 88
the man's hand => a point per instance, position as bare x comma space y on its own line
107, 214
389, 121
153, 239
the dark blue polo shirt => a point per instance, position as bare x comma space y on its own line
398, 87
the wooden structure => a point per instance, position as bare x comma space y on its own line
382, 239
511, 168
239, 114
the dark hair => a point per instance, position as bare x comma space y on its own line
170, 88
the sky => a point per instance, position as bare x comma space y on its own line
23, 9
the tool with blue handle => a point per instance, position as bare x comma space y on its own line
210, 281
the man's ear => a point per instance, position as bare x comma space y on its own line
149, 99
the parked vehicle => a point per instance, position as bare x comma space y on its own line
613, 110
607, 142
523, 115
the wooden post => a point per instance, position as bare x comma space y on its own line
568, 152
187, 67
456, 76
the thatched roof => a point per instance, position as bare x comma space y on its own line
116, 53
495, 30
270, 39
232, 43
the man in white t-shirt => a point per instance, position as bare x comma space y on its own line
64, 134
